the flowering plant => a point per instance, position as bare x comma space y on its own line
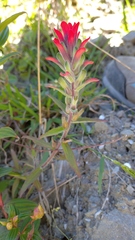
72, 61
71, 83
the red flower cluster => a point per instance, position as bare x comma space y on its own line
72, 61
66, 42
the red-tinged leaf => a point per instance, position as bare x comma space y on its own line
61, 49
71, 38
87, 62
75, 30
82, 45
90, 80
65, 74
59, 35
70, 158
65, 28
52, 59
78, 54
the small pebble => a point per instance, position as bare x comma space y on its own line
130, 189
102, 117
130, 141
101, 147
132, 126
127, 132
120, 114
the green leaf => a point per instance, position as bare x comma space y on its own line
4, 184
4, 36
53, 132
70, 158
30, 179
22, 205
61, 105
7, 57
85, 120
9, 20
3, 233
13, 233
6, 132
100, 176
30, 110
39, 142
5, 171
126, 169
58, 89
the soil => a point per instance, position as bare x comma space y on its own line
84, 213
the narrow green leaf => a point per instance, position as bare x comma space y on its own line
100, 176
61, 105
70, 158
9, 20
30, 110
85, 120
6, 132
4, 36
39, 142
10, 110
15, 160
53, 132
30, 179
15, 187
5, 171
7, 57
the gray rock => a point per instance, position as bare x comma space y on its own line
129, 75
130, 37
120, 81
127, 132
101, 127
115, 226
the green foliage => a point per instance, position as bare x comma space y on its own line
19, 224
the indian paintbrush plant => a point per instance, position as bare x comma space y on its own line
71, 84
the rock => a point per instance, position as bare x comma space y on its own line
129, 75
130, 37
101, 127
115, 226
133, 147
130, 189
127, 132
120, 81
121, 114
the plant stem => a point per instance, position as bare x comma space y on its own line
53, 154
38, 66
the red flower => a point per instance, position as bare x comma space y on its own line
66, 42
69, 36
